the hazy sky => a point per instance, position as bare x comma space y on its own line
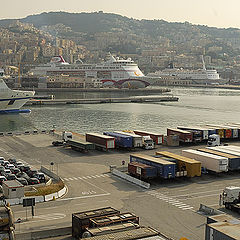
219, 13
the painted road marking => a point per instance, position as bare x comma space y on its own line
85, 177
170, 200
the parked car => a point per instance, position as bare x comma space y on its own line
2, 159
25, 168
17, 164
15, 170
2, 178
2, 168
33, 181
12, 160
10, 166
40, 176
31, 172
5, 163
22, 175
23, 181
6, 172
11, 176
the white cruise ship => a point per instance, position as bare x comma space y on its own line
115, 71
200, 76
12, 100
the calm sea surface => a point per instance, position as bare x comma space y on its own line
196, 106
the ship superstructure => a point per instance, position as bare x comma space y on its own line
114, 71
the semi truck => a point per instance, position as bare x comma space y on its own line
157, 137
213, 140
137, 139
199, 133
101, 141
230, 198
74, 142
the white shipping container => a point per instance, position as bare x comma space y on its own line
209, 161
225, 150
232, 148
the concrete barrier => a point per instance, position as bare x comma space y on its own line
208, 210
50, 173
44, 234
130, 179
62, 192
51, 197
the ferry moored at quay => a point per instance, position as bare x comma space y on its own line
115, 71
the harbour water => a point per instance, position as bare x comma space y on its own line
196, 106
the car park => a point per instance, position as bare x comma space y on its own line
2, 178
41, 177
33, 181
11, 176
23, 181
15, 170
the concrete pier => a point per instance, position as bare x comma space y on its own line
136, 99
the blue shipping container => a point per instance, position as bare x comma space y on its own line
121, 140
165, 169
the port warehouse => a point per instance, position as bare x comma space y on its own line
109, 223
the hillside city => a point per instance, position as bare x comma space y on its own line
23, 45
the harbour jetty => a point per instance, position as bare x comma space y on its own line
133, 99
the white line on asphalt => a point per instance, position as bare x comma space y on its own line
97, 175
79, 178
84, 178
89, 196
102, 175
186, 195
80, 204
75, 178
188, 208
88, 177
201, 187
51, 207
70, 179
94, 177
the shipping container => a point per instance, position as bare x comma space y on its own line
157, 138
232, 148
234, 130
220, 130
222, 231
211, 130
220, 218
90, 232
233, 160
102, 141
209, 161
222, 149
141, 170
138, 233
192, 166
203, 131
165, 169
121, 140
81, 220
137, 139
184, 136
113, 219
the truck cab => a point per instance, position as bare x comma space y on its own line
148, 142
213, 140
230, 198
66, 136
